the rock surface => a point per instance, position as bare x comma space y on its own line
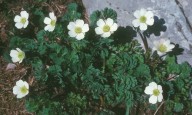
176, 13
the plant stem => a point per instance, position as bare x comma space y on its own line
159, 107
143, 37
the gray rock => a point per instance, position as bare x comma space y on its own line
176, 13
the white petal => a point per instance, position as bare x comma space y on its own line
13, 53
153, 99
51, 28
98, 31
106, 34
20, 95
19, 83
150, 21
15, 90
170, 47
47, 20
85, 28
52, 16
80, 36
19, 50
159, 87
47, 27
26, 23
19, 25
21, 60
137, 14
143, 26
142, 12
24, 14
109, 22
160, 97
15, 59
72, 34
149, 14
153, 84
26, 84
136, 23
149, 90
71, 26
100, 23
79, 23
160, 53
114, 27
17, 18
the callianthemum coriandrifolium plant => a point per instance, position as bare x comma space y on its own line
78, 76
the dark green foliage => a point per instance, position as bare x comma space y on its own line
97, 72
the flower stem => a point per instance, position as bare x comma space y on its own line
144, 39
159, 107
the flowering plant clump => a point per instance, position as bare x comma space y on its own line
78, 76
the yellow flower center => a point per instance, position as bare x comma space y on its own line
143, 19
106, 28
21, 55
162, 48
23, 90
53, 22
156, 92
78, 30
23, 20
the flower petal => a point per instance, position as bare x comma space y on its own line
46, 28
19, 83
160, 97
100, 23
15, 90
153, 99
106, 34
17, 18
142, 12
149, 90
72, 34
149, 14
79, 23
47, 20
71, 26
150, 21
153, 84
98, 31
109, 21
136, 23
52, 16
24, 14
137, 14
13, 53
143, 26
114, 27
26, 23
19, 25
80, 36
85, 28
159, 87
51, 28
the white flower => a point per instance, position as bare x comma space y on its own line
17, 55
106, 27
51, 22
144, 18
21, 89
78, 29
21, 21
155, 91
162, 46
